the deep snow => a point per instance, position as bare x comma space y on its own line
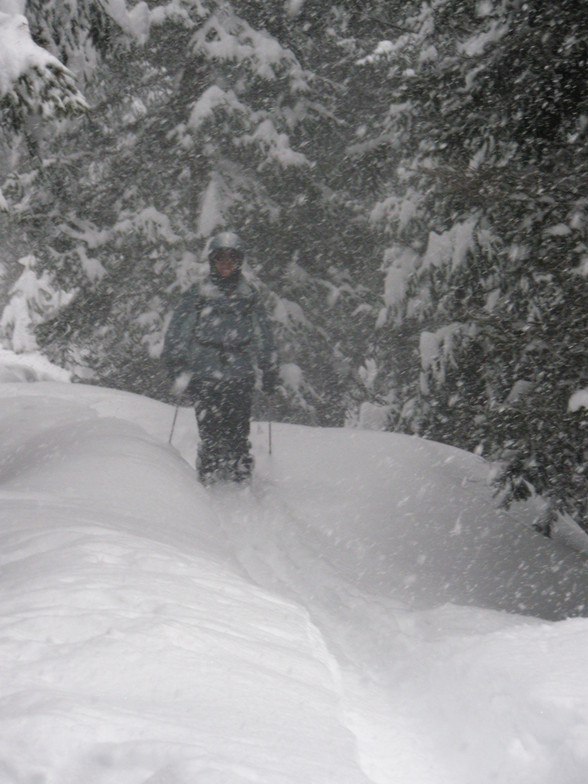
360, 614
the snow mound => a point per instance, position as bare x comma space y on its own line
361, 614
29, 367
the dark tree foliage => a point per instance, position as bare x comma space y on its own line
492, 126
179, 130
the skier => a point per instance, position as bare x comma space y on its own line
217, 336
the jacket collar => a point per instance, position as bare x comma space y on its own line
213, 291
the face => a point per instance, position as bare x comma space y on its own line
226, 262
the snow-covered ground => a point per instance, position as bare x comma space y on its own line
360, 614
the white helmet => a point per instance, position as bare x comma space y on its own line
226, 240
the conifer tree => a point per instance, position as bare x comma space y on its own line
218, 121
484, 140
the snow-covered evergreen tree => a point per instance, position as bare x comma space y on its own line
483, 152
33, 83
218, 122
33, 299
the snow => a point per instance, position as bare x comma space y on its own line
520, 389
400, 263
475, 46
291, 375
437, 349
228, 38
361, 614
210, 217
276, 145
32, 299
134, 22
294, 7
578, 400
29, 367
176, 10
559, 230
288, 312
18, 52
150, 222
373, 417
210, 99
452, 247
92, 267
12, 6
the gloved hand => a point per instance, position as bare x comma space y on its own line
270, 381
180, 385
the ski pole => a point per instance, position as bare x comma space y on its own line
271, 405
173, 427
269, 424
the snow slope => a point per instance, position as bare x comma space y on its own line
361, 614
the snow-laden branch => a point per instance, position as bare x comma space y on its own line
31, 79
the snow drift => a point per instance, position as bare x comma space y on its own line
362, 613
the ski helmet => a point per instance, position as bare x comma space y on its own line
227, 240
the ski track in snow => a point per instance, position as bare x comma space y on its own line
270, 548
396, 727
403, 728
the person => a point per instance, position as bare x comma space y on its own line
217, 337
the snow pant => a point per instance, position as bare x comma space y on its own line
223, 413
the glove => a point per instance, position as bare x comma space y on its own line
270, 381
181, 382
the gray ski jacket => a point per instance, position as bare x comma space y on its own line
220, 335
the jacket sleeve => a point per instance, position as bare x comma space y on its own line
267, 353
176, 346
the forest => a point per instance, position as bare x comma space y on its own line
409, 179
